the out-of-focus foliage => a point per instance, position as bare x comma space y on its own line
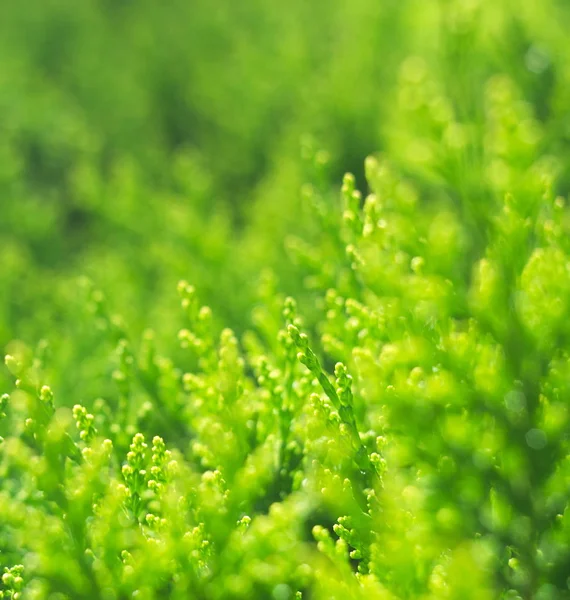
135, 134
401, 428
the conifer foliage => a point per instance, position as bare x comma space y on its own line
382, 414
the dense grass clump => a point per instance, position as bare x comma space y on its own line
228, 376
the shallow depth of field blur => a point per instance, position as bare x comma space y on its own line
143, 143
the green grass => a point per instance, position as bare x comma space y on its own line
233, 371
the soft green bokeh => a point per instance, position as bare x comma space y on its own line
400, 429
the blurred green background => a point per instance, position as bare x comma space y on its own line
143, 142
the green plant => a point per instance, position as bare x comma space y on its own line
363, 392
439, 445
